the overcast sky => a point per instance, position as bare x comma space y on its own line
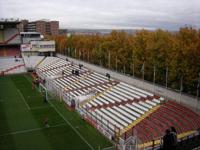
115, 14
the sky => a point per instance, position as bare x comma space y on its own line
107, 14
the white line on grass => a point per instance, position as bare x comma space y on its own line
23, 99
72, 126
30, 130
68, 123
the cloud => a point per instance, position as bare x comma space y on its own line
166, 14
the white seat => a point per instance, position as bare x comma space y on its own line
109, 119
107, 99
102, 100
156, 101
135, 109
131, 90
151, 103
105, 122
125, 108
128, 121
114, 117
124, 113
137, 89
145, 105
128, 93
120, 93
140, 106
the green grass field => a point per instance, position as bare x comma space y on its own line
22, 113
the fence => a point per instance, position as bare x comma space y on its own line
105, 126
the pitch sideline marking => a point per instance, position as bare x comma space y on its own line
30, 130
72, 126
23, 99
69, 123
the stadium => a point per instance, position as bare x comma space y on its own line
50, 101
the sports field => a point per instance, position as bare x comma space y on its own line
22, 114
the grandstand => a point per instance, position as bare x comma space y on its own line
32, 61
34, 52
9, 38
11, 66
118, 110
9, 34
27, 37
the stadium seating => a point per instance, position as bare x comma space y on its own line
116, 105
11, 66
32, 61
182, 118
11, 36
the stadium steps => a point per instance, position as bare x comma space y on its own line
69, 75
53, 68
190, 112
161, 120
191, 116
44, 64
142, 133
129, 101
122, 102
134, 123
178, 116
114, 83
10, 69
78, 80
170, 120
90, 86
152, 130
40, 62
10, 39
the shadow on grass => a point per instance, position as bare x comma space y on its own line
6, 142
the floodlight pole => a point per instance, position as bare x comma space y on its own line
133, 70
166, 79
198, 87
116, 63
181, 88
154, 77
108, 59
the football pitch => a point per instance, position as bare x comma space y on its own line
22, 115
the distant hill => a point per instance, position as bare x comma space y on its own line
99, 31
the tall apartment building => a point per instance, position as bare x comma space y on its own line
23, 26
43, 26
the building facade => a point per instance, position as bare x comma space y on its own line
38, 46
43, 26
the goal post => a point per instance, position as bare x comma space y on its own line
43, 90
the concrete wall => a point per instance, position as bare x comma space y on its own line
184, 99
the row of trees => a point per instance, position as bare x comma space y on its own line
171, 59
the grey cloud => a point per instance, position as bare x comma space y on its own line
151, 14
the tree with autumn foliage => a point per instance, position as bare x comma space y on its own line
152, 53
